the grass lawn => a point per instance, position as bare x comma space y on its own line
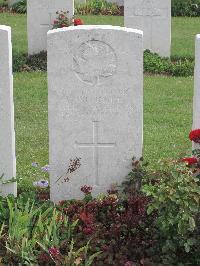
167, 120
183, 31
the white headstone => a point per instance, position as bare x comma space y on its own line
7, 133
196, 105
40, 17
95, 81
153, 17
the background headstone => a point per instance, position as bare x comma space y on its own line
95, 81
153, 17
196, 105
40, 17
7, 133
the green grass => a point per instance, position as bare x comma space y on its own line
183, 36
30, 91
183, 31
167, 116
167, 120
18, 25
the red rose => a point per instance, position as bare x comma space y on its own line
190, 161
195, 135
77, 22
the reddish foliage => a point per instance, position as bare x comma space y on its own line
44, 258
88, 230
118, 228
86, 218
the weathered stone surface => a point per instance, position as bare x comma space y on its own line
95, 82
40, 17
7, 134
153, 17
196, 105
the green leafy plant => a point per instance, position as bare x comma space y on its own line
153, 63
186, 8
38, 232
133, 182
175, 199
18, 241
20, 7
96, 7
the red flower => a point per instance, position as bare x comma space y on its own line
88, 230
54, 252
190, 161
77, 22
195, 135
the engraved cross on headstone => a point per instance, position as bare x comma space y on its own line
50, 24
95, 144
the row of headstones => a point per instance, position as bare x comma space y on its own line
153, 17
95, 107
